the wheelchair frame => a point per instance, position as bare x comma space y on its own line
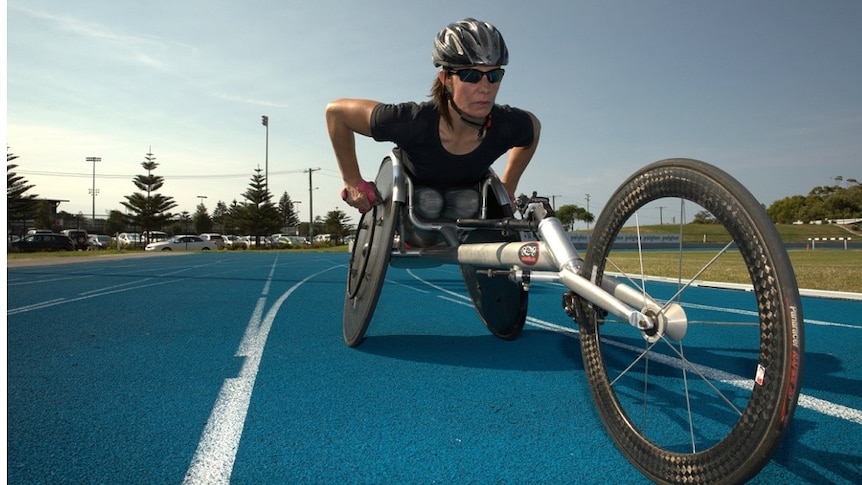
534, 247
551, 258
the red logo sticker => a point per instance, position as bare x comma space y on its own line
529, 253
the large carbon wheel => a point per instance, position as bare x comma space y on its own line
712, 405
369, 259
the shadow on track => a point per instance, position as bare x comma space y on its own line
534, 350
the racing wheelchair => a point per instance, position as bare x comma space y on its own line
689, 390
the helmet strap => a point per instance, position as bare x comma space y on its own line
481, 123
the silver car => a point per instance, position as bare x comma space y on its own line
182, 243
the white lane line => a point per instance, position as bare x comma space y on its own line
824, 323
752, 313
19, 282
62, 301
213, 460
805, 401
96, 293
439, 288
36, 306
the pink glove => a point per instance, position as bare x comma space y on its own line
366, 188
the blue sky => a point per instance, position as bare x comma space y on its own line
771, 91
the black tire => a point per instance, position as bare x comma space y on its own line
668, 409
369, 260
501, 304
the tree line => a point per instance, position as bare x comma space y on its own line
148, 209
821, 204
257, 215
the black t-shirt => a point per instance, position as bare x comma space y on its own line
413, 127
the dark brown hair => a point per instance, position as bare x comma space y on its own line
440, 96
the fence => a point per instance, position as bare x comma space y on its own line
815, 240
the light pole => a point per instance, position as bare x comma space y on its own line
93, 191
296, 227
588, 209
554, 201
264, 120
311, 204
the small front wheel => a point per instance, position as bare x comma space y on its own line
710, 404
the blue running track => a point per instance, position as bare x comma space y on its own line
230, 367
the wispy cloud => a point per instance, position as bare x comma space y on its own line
144, 49
87, 29
256, 102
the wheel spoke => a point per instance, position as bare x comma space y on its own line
696, 276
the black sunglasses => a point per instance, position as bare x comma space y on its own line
474, 75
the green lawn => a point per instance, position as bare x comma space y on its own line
821, 269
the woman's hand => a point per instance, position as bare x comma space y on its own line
363, 196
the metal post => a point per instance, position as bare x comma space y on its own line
588, 208
296, 228
93, 190
265, 121
311, 205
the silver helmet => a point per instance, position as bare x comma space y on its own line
469, 42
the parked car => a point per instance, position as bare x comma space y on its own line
78, 236
235, 242
130, 239
98, 241
43, 242
246, 240
153, 236
291, 241
216, 238
330, 239
182, 243
253, 242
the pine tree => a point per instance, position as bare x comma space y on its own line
201, 220
219, 217
20, 206
289, 215
149, 209
257, 216
337, 222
